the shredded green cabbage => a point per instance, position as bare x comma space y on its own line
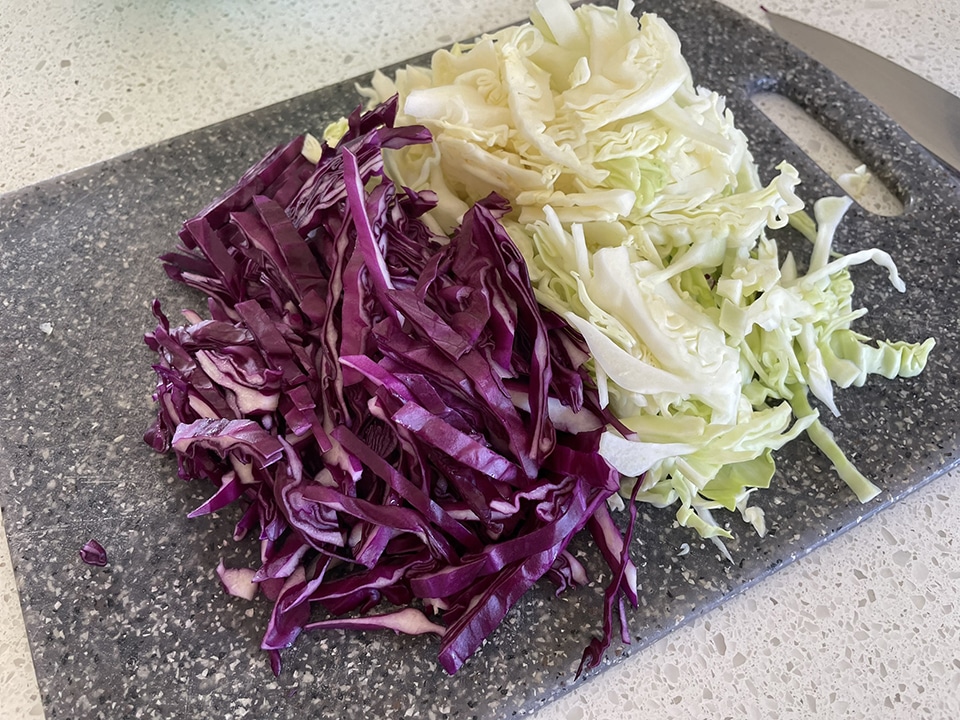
640, 213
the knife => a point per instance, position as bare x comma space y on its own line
927, 112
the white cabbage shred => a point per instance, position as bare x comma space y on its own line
639, 210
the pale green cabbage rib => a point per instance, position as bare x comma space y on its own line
639, 210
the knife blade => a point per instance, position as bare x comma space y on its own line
930, 114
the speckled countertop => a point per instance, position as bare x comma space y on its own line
868, 625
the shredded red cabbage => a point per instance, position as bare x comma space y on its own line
380, 402
93, 553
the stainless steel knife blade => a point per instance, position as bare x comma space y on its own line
926, 111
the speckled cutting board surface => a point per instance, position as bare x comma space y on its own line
152, 634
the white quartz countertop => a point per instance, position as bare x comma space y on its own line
866, 626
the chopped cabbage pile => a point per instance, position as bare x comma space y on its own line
639, 211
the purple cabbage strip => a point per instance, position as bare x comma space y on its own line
376, 399
614, 593
92, 553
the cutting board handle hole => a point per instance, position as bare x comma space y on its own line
833, 156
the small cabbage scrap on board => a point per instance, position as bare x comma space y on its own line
640, 213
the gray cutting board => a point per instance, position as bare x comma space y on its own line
152, 635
